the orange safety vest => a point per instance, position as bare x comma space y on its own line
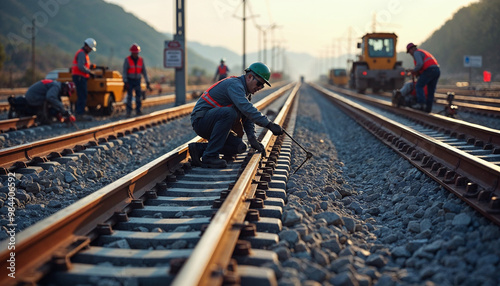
132, 67
222, 69
429, 60
46, 81
206, 95
75, 70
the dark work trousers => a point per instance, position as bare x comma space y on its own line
134, 85
430, 78
215, 126
81, 92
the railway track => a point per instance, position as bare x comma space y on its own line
27, 122
477, 104
36, 153
464, 158
14, 124
159, 211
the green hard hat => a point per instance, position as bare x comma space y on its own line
261, 70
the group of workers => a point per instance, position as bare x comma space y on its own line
223, 113
50, 91
134, 68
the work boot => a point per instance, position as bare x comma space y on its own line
419, 106
213, 162
229, 157
138, 113
128, 115
196, 151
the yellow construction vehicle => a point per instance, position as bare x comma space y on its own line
338, 77
103, 90
377, 66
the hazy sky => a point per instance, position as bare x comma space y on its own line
318, 27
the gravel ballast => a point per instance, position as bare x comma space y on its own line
358, 214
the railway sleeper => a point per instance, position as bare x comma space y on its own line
160, 275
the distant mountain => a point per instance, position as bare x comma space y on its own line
473, 30
295, 64
64, 27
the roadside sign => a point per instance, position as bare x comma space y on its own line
172, 55
486, 76
473, 61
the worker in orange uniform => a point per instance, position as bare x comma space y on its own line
221, 71
224, 113
428, 72
81, 71
133, 68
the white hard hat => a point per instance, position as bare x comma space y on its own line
91, 43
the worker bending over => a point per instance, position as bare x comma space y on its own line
49, 92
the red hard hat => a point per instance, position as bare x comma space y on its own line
135, 48
409, 46
70, 87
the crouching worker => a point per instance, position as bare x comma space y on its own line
44, 100
407, 96
224, 112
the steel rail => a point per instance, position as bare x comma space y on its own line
439, 99
34, 246
17, 123
213, 252
456, 169
485, 134
45, 147
27, 122
67, 230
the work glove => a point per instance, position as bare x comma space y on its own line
275, 128
257, 145
148, 86
68, 117
93, 66
92, 75
59, 117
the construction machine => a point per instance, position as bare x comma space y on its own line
338, 77
377, 66
104, 89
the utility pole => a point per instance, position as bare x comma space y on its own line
339, 52
244, 35
180, 36
265, 41
244, 32
259, 42
33, 51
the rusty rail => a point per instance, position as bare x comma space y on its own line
473, 180
211, 253
57, 237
